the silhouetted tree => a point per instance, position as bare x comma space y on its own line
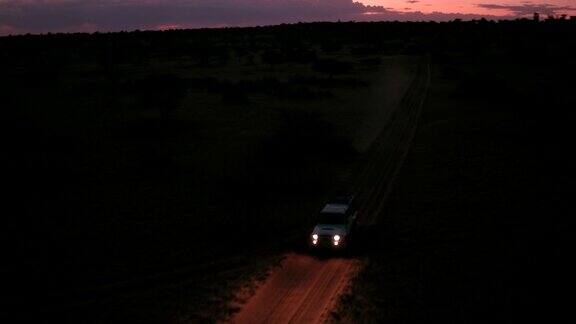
272, 57
332, 67
163, 92
331, 47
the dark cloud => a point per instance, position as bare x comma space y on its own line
41, 16
67, 15
412, 1
528, 8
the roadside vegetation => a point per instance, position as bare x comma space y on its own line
476, 227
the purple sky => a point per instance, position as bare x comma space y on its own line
41, 16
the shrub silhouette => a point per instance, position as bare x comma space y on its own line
272, 57
332, 67
162, 92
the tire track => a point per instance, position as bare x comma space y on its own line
389, 155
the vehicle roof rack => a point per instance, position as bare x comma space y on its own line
335, 208
344, 200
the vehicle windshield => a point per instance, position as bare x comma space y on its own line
331, 218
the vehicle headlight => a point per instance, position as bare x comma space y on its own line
315, 236
336, 238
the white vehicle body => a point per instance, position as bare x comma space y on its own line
335, 223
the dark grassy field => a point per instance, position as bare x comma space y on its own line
478, 227
179, 161
201, 153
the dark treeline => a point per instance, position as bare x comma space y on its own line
285, 43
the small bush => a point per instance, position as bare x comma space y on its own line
332, 67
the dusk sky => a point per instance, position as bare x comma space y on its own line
42, 16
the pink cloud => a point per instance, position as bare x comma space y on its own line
526, 8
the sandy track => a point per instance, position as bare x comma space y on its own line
383, 161
305, 288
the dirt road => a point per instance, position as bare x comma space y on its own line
304, 289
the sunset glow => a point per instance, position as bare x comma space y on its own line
42, 16
479, 7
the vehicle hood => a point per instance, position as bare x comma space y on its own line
327, 229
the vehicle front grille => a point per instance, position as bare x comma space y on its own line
324, 238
